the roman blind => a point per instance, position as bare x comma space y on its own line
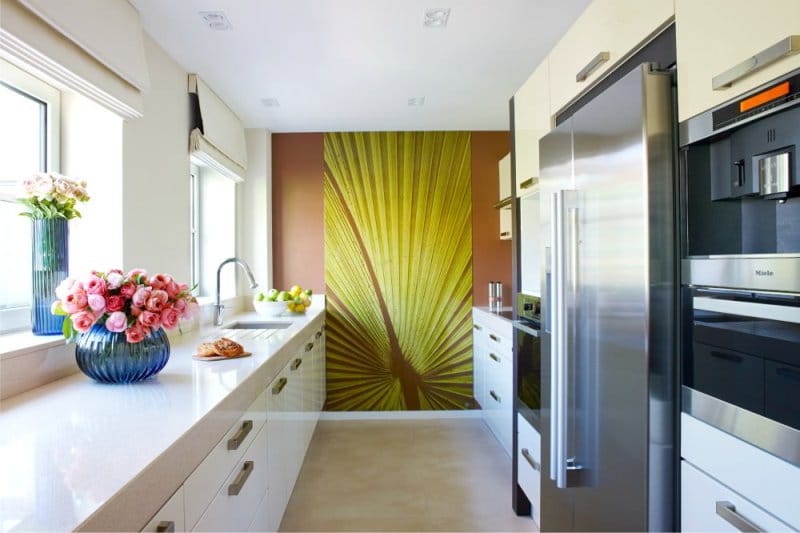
94, 47
217, 138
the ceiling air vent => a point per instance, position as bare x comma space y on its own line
216, 20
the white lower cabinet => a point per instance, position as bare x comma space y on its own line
245, 482
169, 517
708, 505
529, 465
493, 373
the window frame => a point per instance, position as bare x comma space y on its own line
16, 79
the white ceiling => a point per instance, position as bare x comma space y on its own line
352, 65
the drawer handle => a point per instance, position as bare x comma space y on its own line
531, 461
727, 511
165, 526
590, 67
505, 233
494, 357
495, 396
494, 338
786, 46
477, 327
279, 386
528, 183
296, 363
236, 441
726, 356
309, 346
236, 487
318, 335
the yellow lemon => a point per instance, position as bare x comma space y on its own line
295, 290
299, 308
291, 306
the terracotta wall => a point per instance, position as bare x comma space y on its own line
491, 257
298, 228
298, 209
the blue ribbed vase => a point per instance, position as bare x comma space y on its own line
109, 358
49, 263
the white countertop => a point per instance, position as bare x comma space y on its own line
77, 454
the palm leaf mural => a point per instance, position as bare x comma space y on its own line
398, 270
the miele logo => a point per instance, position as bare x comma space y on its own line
764, 273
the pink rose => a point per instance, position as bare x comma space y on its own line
116, 322
75, 301
157, 300
55, 307
179, 305
169, 317
160, 281
82, 321
97, 303
140, 297
127, 290
136, 311
114, 280
172, 289
138, 275
149, 319
115, 302
95, 285
66, 287
28, 185
135, 333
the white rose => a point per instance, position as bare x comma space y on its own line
65, 188
43, 186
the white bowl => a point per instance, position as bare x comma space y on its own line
267, 308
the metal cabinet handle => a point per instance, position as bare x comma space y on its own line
505, 233
165, 526
494, 357
528, 183
785, 47
309, 346
531, 461
727, 511
318, 335
494, 338
279, 386
296, 363
236, 441
494, 395
477, 327
236, 487
590, 67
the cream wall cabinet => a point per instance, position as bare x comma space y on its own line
493, 366
714, 36
531, 122
615, 27
504, 177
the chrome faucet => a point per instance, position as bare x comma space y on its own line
218, 305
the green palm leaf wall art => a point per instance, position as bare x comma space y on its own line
398, 270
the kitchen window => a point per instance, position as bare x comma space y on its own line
29, 143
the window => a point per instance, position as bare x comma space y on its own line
29, 143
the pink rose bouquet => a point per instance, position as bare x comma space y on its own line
132, 303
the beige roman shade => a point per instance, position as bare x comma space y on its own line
94, 47
217, 140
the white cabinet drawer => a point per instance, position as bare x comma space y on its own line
170, 516
203, 483
529, 464
762, 478
235, 503
705, 504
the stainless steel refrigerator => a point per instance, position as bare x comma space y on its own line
608, 292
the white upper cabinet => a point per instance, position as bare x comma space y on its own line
531, 122
616, 28
714, 36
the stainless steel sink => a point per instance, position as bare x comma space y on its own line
256, 324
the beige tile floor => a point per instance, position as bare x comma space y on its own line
404, 475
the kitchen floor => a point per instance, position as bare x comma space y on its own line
404, 475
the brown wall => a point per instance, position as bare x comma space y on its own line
491, 257
298, 227
297, 213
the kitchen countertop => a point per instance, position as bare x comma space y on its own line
505, 312
76, 454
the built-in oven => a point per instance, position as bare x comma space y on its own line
740, 272
528, 357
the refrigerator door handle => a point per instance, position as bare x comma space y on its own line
555, 322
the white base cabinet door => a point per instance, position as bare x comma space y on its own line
169, 517
529, 465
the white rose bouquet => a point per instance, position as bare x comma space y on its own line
51, 195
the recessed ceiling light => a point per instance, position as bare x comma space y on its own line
270, 102
416, 101
216, 20
436, 17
